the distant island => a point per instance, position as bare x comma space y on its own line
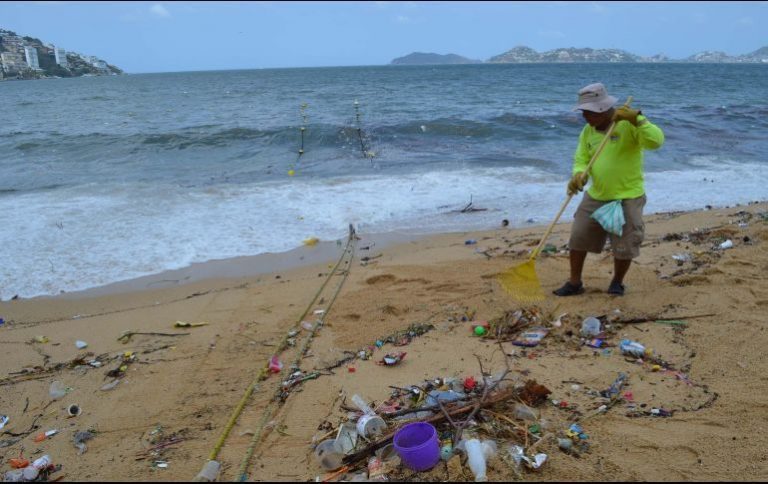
527, 55
30, 58
420, 58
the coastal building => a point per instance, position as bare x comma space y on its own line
31, 55
61, 56
12, 62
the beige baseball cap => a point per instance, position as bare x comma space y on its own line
595, 98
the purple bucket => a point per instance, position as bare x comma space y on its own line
418, 446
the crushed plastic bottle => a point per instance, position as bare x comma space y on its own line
443, 396
524, 412
632, 348
31, 472
615, 389
477, 454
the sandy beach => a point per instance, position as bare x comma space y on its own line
179, 386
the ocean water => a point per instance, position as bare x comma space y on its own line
104, 179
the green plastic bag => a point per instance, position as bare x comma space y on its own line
611, 217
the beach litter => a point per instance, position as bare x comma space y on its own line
58, 390
392, 359
79, 440
182, 324
531, 338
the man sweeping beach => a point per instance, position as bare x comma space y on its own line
617, 191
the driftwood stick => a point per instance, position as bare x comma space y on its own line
647, 319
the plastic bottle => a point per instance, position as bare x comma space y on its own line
31, 472
477, 453
590, 327
15, 475
443, 396
362, 405
524, 412
209, 473
632, 348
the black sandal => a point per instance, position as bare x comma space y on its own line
569, 289
616, 288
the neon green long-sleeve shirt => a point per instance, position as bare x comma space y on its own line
617, 174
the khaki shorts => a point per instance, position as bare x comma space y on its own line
588, 235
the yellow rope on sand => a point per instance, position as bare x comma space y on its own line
262, 374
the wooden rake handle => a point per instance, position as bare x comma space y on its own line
607, 137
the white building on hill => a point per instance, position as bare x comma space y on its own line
61, 56
31, 54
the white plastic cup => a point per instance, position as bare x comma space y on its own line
590, 327
209, 473
371, 425
329, 454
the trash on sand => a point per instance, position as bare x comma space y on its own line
328, 453
524, 412
311, 241
74, 410
531, 338
660, 412
3, 420
418, 446
632, 348
18, 463
470, 242
44, 435
371, 425
534, 394
79, 440
590, 327
275, 366
726, 245
517, 453
182, 324
110, 385
81, 344
32, 471
58, 390
595, 343
346, 438
477, 454
209, 472
614, 390
392, 359
575, 431
40, 339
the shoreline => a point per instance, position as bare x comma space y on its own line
250, 266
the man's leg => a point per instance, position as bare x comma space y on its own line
586, 236
627, 247
577, 258
620, 268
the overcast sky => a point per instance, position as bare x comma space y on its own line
189, 36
